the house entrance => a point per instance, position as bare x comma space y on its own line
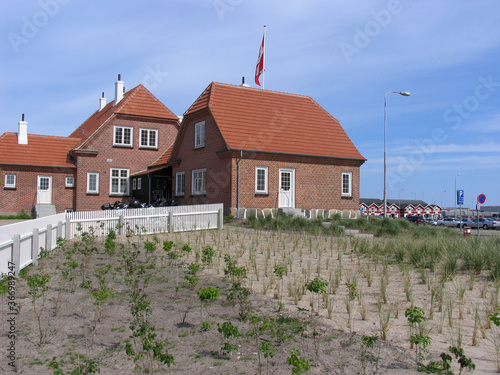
44, 190
287, 188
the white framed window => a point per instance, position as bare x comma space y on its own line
123, 136
199, 134
347, 184
92, 183
199, 182
10, 181
261, 180
119, 181
149, 138
70, 182
134, 184
139, 183
180, 183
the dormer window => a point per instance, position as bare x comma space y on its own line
199, 134
123, 136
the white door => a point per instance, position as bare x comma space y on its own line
44, 190
287, 188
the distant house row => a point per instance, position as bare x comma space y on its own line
236, 145
398, 208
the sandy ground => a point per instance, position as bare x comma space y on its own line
330, 338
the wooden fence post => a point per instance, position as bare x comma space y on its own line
48, 238
15, 256
170, 222
59, 229
121, 225
68, 228
221, 219
35, 246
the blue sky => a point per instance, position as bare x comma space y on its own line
59, 55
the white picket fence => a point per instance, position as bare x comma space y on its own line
20, 243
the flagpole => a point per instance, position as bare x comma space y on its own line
264, 60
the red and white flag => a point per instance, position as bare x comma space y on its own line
259, 69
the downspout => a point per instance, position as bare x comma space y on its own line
238, 187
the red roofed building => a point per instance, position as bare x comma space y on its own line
257, 148
94, 164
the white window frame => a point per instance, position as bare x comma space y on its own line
148, 131
347, 193
139, 183
96, 190
180, 176
266, 180
134, 184
121, 142
12, 184
202, 189
199, 134
69, 184
119, 177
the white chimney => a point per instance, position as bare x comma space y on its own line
102, 102
118, 89
22, 134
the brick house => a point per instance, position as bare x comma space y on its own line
94, 164
257, 148
32, 167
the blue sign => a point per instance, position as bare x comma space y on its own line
460, 197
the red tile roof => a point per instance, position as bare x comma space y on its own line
271, 121
41, 150
138, 102
163, 159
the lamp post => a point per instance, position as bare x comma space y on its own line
400, 190
455, 211
404, 93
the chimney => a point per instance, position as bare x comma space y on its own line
243, 84
119, 89
22, 134
102, 102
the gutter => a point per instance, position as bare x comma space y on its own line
238, 187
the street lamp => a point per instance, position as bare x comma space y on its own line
404, 93
444, 191
456, 196
400, 190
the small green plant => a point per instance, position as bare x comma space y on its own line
230, 333
205, 326
418, 335
318, 286
191, 277
207, 254
38, 285
369, 359
299, 364
208, 295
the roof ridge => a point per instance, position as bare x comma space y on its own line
130, 95
199, 96
261, 90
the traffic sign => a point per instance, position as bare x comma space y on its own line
481, 198
460, 197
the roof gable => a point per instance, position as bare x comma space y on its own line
41, 150
271, 121
137, 102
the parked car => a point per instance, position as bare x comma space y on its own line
491, 223
431, 221
467, 222
449, 222
416, 219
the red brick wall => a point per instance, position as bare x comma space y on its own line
135, 158
318, 182
24, 196
218, 183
